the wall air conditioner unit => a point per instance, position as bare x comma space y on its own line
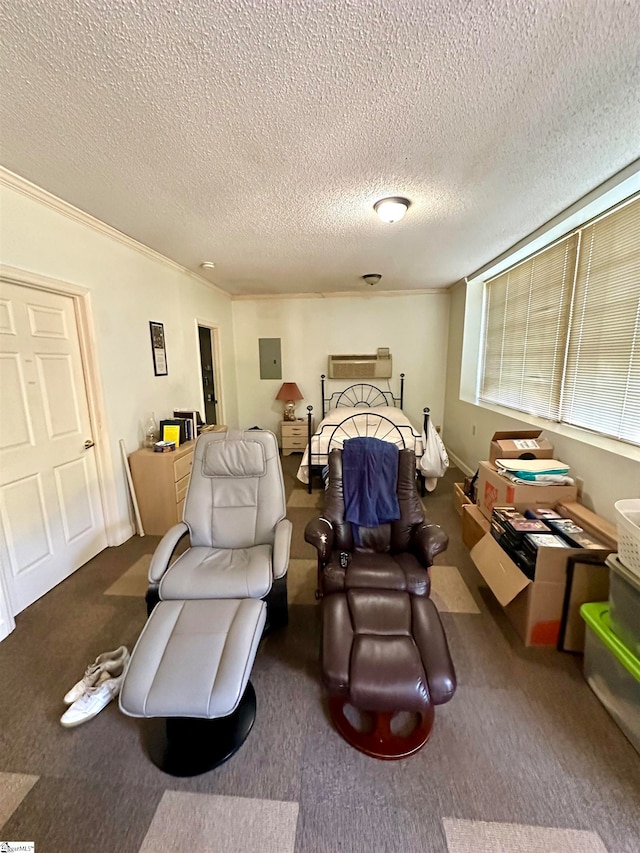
361, 366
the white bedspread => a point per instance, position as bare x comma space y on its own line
368, 422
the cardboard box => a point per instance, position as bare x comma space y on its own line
535, 607
519, 444
474, 525
471, 487
496, 490
459, 497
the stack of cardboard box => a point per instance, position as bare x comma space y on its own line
538, 602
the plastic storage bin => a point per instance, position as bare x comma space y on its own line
611, 671
624, 604
628, 524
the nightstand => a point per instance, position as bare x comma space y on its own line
294, 435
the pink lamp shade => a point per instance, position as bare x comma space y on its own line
289, 393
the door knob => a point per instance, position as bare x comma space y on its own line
88, 443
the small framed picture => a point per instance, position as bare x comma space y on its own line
158, 348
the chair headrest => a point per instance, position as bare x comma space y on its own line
235, 458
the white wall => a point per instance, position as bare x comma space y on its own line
414, 328
128, 288
607, 476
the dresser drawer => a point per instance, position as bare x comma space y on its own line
181, 488
291, 443
182, 466
293, 429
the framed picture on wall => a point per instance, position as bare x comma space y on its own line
158, 348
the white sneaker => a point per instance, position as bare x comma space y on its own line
93, 700
109, 662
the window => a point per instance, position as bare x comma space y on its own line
561, 336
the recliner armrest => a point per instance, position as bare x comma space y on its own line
427, 541
281, 547
164, 551
319, 533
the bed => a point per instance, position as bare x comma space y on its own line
361, 409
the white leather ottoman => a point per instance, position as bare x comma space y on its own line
189, 674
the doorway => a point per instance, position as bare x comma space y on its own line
206, 339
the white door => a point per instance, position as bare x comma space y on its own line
50, 510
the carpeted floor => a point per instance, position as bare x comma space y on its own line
523, 759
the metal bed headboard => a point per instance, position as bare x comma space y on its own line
376, 426
367, 424
360, 394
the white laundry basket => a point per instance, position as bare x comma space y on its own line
628, 523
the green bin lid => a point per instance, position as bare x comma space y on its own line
596, 615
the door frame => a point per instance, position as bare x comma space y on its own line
81, 296
214, 328
7, 620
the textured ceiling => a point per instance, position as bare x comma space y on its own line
258, 133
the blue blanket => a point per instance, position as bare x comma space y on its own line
370, 480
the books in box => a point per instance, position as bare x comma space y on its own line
575, 535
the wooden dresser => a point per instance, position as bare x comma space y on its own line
293, 435
160, 481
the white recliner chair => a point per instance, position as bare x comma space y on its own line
234, 514
188, 676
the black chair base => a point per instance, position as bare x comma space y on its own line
187, 746
277, 606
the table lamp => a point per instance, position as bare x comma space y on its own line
289, 393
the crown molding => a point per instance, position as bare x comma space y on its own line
32, 191
22, 185
339, 294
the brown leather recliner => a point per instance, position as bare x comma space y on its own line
393, 556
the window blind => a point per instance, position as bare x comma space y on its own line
527, 313
561, 335
602, 381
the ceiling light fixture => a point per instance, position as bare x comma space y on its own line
208, 265
391, 209
372, 278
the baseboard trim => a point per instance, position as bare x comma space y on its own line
468, 472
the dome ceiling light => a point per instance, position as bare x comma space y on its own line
208, 265
391, 209
372, 278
